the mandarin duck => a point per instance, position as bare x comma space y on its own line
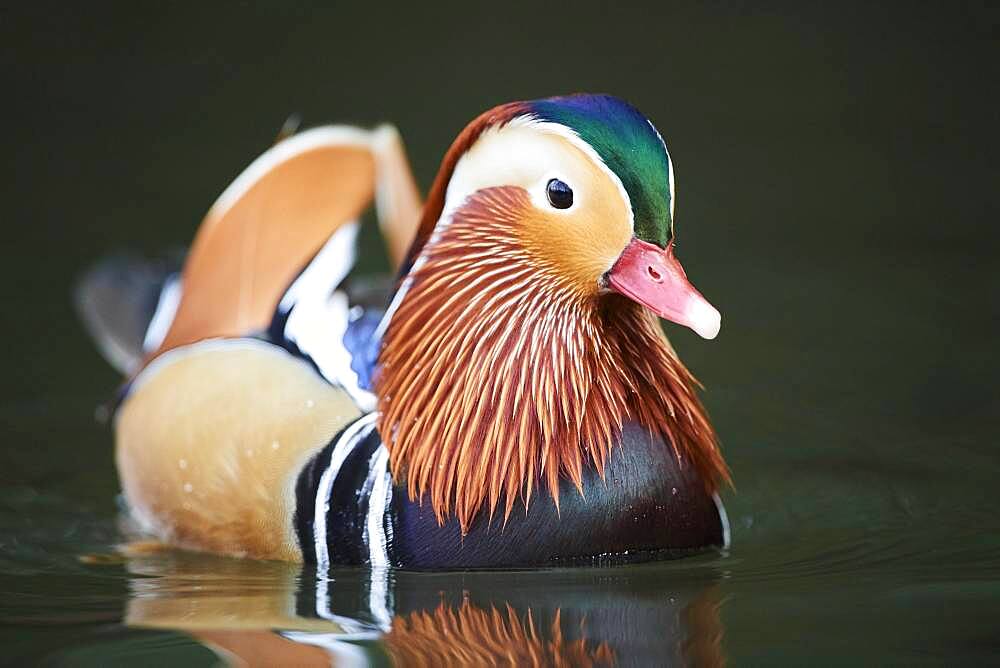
513, 400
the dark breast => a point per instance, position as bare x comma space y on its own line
649, 506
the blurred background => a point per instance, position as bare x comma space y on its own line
837, 201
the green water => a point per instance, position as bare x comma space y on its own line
837, 200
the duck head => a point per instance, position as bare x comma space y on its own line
522, 337
599, 184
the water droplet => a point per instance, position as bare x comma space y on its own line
183, 463
275, 445
249, 452
310, 403
188, 488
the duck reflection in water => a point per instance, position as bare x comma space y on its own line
271, 613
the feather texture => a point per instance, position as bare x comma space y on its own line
498, 374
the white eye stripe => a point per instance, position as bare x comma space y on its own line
520, 153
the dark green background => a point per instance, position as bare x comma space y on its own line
837, 201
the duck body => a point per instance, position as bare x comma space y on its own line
245, 497
645, 508
510, 402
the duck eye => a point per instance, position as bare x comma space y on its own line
560, 195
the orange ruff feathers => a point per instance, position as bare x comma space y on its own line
496, 372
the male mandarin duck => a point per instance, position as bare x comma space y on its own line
515, 402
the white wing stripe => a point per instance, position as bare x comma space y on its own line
345, 444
